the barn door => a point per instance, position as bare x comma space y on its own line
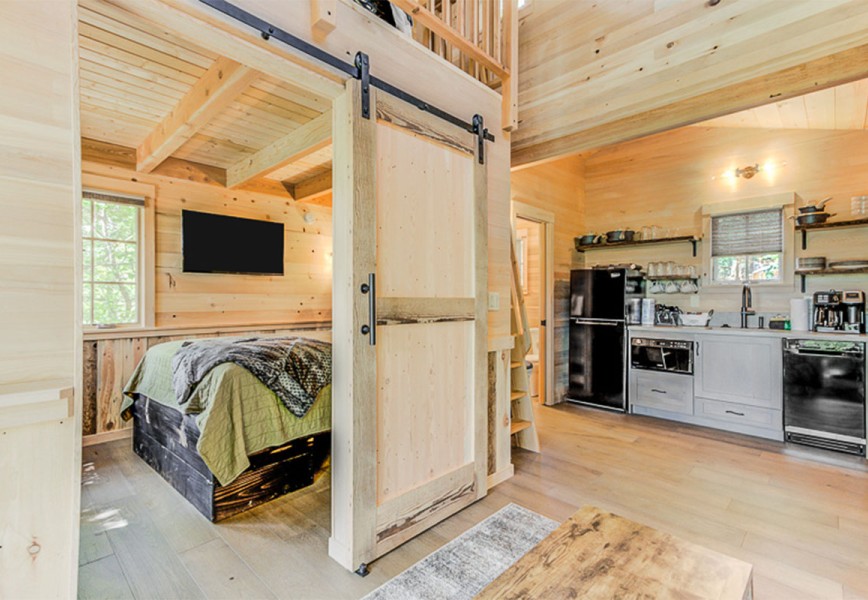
410, 333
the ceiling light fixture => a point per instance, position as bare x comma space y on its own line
748, 171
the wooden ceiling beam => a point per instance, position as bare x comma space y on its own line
222, 83
310, 137
812, 76
114, 155
312, 188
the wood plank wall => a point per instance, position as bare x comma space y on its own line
303, 293
595, 73
557, 187
40, 462
110, 361
533, 291
666, 179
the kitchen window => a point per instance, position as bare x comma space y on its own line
747, 246
111, 236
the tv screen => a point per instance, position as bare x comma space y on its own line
220, 244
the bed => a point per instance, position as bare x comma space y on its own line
232, 444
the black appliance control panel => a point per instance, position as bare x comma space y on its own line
669, 344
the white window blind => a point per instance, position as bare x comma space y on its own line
747, 233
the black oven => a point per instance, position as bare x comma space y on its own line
674, 356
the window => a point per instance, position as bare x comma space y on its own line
111, 232
747, 247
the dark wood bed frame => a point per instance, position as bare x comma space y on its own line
157, 434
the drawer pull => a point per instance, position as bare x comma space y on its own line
658, 391
732, 412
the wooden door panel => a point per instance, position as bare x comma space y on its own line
424, 221
424, 418
410, 402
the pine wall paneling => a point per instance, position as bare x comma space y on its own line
558, 187
303, 293
666, 179
40, 462
533, 291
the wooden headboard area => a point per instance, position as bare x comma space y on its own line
110, 359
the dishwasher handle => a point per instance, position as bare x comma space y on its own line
857, 354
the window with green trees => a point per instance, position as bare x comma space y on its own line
111, 235
747, 247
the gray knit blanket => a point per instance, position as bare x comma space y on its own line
294, 368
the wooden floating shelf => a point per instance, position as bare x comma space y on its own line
671, 278
517, 396
682, 238
804, 273
515, 365
518, 425
828, 225
834, 224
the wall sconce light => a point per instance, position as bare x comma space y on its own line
748, 171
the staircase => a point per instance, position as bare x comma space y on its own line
522, 425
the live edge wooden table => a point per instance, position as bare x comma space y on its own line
596, 554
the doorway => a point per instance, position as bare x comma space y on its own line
534, 234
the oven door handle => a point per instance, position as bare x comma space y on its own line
825, 354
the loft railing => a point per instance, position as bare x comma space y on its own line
478, 36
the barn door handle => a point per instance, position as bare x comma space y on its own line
370, 289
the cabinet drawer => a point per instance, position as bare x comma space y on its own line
664, 391
739, 413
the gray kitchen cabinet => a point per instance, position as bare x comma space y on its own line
669, 392
742, 370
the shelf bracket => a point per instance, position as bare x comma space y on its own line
693, 243
804, 242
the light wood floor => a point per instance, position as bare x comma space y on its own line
800, 516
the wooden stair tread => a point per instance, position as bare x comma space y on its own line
518, 425
517, 395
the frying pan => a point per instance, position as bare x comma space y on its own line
814, 208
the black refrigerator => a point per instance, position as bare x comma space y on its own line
598, 334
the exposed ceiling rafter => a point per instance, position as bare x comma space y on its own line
312, 188
310, 137
222, 83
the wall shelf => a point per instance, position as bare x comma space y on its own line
828, 225
803, 274
671, 278
602, 246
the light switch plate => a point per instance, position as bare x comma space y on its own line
493, 301
694, 301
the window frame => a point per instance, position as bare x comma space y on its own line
784, 202
88, 278
146, 246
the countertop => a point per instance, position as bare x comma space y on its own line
737, 331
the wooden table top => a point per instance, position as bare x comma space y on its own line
596, 554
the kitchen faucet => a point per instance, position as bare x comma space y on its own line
746, 302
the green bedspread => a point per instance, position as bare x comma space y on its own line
226, 396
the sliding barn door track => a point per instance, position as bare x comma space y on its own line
360, 69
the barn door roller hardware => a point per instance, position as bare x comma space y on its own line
356, 70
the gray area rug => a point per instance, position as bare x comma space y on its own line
464, 566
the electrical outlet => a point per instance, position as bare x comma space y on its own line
493, 301
694, 301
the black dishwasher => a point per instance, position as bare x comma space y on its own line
824, 394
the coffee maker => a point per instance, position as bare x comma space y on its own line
854, 311
839, 312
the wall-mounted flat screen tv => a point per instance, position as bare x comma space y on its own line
219, 244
